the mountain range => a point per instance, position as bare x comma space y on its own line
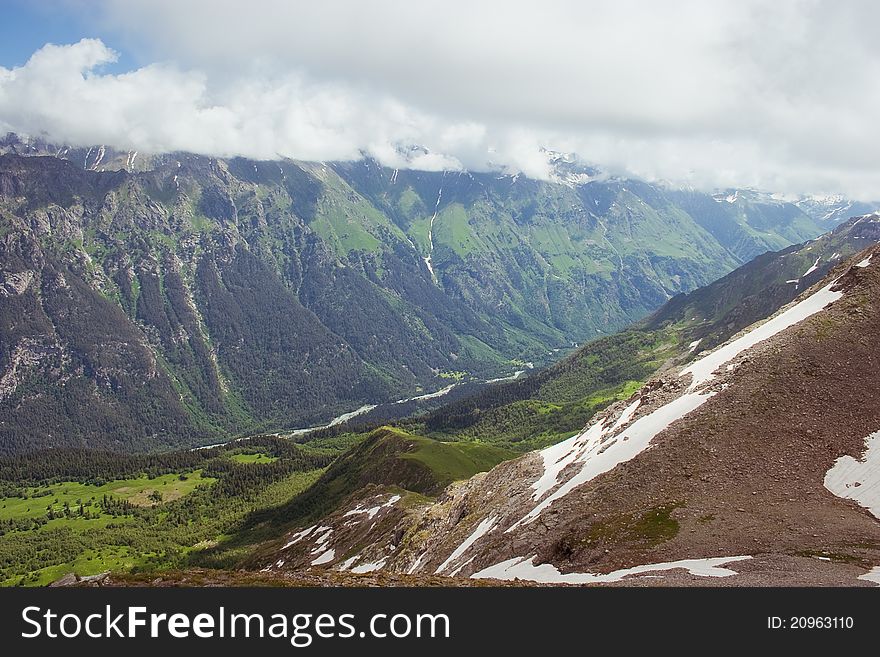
150, 302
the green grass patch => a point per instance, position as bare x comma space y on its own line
455, 461
387, 457
453, 376
171, 534
137, 491
648, 529
253, 458
90, 562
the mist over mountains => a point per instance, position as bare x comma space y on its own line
189, 296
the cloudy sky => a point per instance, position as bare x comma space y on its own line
782, 96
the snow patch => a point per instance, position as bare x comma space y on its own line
703, 369
345, 565
372, 511
872, 575
559, 456
858, 479
416, 565
626, 415
324, 557
276, 565
482, 529
296, 538
867, 261
813, 268
525, 568
600, 455
322, 534
325, 532
368, 567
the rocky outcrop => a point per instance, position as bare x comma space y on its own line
13, 283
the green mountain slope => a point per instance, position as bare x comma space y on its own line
392, 457
387, 461
197, 299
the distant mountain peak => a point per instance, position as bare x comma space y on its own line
570, 169
834, 208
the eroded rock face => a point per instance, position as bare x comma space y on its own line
30, 358
14, 283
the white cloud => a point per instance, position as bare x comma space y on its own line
781, 95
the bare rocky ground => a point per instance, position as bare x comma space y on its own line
761, 571
745, 471
317, 577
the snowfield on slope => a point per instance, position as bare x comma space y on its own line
599, 454
703, 369
858, 479
545, 573
483, 528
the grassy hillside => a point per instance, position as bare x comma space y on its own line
391, 457
386, 458
448, 462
